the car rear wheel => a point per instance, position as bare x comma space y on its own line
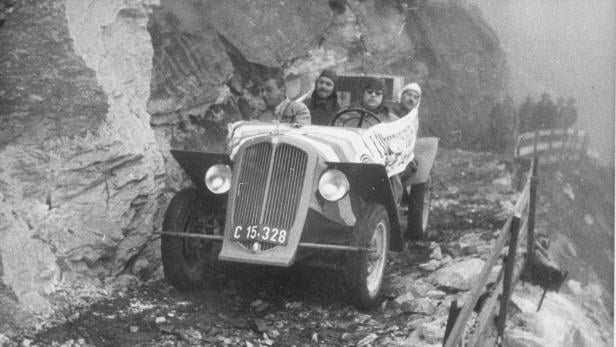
364, 270
419, 210
188, 262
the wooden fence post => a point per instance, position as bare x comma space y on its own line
563, 148
532, 201
454, 311
574, 145
536, 139
506, 295
584, 149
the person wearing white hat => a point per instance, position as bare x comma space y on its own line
410, 97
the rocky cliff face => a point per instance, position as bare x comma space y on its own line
81, 172
95, 94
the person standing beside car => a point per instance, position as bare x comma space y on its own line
278, 108
323, 103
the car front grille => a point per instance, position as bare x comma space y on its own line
269, 186
288, 171
252, 183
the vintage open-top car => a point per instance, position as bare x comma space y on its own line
287, 194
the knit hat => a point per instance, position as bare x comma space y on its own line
411, 86
330, 74
375, 83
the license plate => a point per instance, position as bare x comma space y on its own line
260, 233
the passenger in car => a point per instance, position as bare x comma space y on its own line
410, 96
323, 103
277, 106
372, 100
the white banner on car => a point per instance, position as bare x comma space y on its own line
390, 144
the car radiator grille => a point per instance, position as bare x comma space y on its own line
277, 206
252, 183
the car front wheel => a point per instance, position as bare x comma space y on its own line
364, 270
188, 262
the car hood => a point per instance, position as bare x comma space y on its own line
390, 144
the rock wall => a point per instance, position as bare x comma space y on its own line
81, 174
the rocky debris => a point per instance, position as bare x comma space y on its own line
436, 253
432, 332
190, 335
432, 265
265, 310
422, 306
436, 294
467, 244
406, 297
459, 276
367, 340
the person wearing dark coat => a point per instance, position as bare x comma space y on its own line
323, 103
526, 114
569, 116
503, 126
373, 94
545, 113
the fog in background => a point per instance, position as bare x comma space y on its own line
566, 48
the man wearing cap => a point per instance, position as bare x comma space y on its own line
323, 103
372, 99
277, 106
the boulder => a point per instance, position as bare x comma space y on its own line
436, 253
432, 332
422, 306
459, 276
404, 298
432, 265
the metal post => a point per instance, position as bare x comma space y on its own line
506, 295
532, 201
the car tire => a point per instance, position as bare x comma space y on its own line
364, 271
188, 262
418, 214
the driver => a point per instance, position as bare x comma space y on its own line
278, 106
372, 99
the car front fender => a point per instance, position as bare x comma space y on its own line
371, 183
195, 164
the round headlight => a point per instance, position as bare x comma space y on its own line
333, 185
218, 178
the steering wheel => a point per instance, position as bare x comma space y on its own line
354, 116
